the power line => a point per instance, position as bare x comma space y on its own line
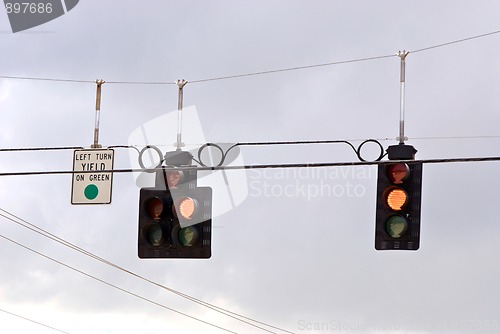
33, 321
112, 285
462, 40
218, 309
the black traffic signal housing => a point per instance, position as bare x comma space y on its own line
175, 217
399, 188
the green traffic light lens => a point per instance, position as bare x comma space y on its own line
188, 236
396, 226
154, 235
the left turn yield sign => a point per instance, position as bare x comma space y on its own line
90, 184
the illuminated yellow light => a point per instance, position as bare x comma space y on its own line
187, 207
397, 199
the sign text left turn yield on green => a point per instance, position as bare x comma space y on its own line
90, 184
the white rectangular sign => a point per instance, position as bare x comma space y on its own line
93, 186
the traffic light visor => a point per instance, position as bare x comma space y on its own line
398, 173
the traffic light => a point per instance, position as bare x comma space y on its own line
175, 217
398, 206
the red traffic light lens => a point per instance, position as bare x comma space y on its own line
174, 178
154, 207
396, 198
398, 173
396, 226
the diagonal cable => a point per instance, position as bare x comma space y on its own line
215, 308
112, 285
33, 321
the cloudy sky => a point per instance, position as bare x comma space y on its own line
295, 247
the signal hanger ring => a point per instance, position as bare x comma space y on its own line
358, 151
223, 154
160, 154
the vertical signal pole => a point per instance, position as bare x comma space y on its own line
402, 55
97, 114
180, 84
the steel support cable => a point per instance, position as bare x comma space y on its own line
215, 308
41, 148
20, 149
44, 79
292, 69
112, 285
462, 40
206, 79
456, 41
86, 81
60, 148
260, 166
